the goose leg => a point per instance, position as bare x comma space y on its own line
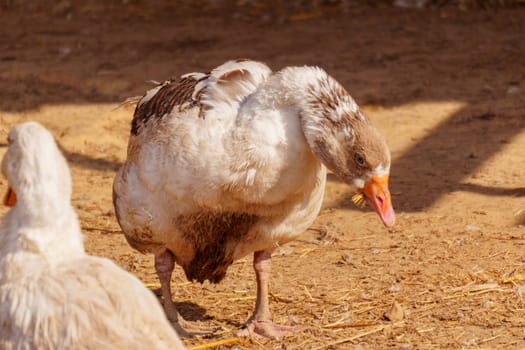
260, 322
164, 265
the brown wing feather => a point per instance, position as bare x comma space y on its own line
171, 94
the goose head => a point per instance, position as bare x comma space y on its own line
343, 138
39, 182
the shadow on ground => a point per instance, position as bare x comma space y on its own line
106, 57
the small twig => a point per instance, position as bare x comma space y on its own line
340, 324
497, 254
456, 339
490, 338
514, 278
424, 330
281, 299
357, 336
470, 294
251, 297
93, 228
363, 310
308, 293
307, 251
214, 344
344, 297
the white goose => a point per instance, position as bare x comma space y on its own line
232, 162
52, 294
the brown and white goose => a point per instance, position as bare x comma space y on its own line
233, 162
52, 294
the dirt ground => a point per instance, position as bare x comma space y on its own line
445, 86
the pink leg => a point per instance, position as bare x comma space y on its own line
260, 322
164, 265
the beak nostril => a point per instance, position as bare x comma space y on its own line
380, 199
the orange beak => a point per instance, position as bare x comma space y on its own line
10, 198
378, 197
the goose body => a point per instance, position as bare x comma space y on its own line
233, 162
52, 294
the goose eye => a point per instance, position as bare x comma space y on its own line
360, 159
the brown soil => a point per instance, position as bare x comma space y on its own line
447, 89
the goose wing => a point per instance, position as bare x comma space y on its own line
217, 94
